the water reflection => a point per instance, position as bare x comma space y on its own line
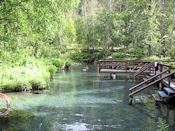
88, 101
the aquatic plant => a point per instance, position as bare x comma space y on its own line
162, 125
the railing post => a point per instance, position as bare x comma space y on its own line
169, 78
161, 68
125, 66
99, 66
130, 98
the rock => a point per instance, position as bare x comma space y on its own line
16, 113
16, 118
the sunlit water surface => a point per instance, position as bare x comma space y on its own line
86, 101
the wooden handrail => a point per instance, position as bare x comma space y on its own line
144, 82
139, 90
137, 66
120, 60
165, 65
124, 61
143, 69
103, 65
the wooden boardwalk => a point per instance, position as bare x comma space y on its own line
156, 72
114, 71
123, 66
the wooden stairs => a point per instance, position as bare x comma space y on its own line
166, 93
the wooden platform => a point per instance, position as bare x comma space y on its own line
120, 71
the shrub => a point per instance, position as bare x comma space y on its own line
52, 69
58, 62
123, 56
68, 62
17, 78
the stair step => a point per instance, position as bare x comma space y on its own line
169, 90
162, 94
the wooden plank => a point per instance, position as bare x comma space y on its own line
162, 94
169, 91
119, 71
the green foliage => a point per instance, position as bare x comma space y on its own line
172, 64
52, 69
59, 63
123, 56
152, 58
140, 26
33, 74
68, 62
76, 55
162, 125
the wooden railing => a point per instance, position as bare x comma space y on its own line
148, 80
137, 66
125, 64
150, 84
156, 78
147, 66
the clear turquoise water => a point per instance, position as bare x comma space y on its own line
80, 101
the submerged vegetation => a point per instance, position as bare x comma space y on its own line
162, 125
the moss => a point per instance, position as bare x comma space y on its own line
17, 114
16, 120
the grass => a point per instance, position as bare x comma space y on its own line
123, 56
30, 73
33, 75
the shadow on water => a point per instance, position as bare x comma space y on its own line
80, 100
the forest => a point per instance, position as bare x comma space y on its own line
38, 37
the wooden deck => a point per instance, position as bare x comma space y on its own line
114, 71
156, 72
124, 66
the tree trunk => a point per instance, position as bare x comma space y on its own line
149, 50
